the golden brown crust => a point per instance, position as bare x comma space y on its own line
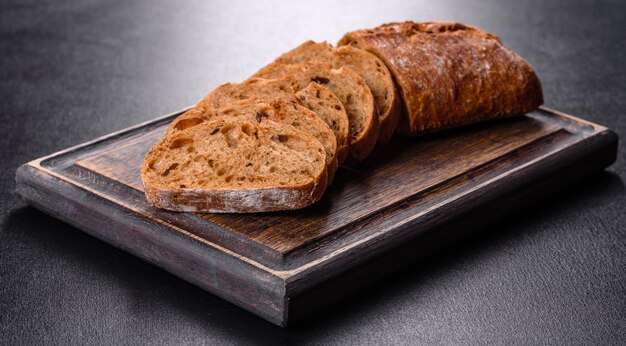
450, 74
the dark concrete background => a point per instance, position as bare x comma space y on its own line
74, 70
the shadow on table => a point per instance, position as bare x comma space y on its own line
216, 314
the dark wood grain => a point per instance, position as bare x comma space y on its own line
283, 266
379, 183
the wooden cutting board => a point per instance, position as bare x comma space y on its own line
404, 202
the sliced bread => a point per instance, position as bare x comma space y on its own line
314, 97
366, 65
232, 165
351, 90
255, 111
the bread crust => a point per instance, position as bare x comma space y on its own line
450, 74
236, 200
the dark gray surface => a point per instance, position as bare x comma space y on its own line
69, 72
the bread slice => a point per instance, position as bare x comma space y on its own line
314, 97
318, 99
450, 74
235, 166
255, 110
351, 90
366, 65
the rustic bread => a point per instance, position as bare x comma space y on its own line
255, 111
273, 141
233, 165
366, 65
351, 90
314, 97
450, 74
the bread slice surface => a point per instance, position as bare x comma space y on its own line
232, 165
351, 90
255, 111
313, 96
367, 65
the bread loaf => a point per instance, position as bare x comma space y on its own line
450, 74
366, 65
351, 90
232, 165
